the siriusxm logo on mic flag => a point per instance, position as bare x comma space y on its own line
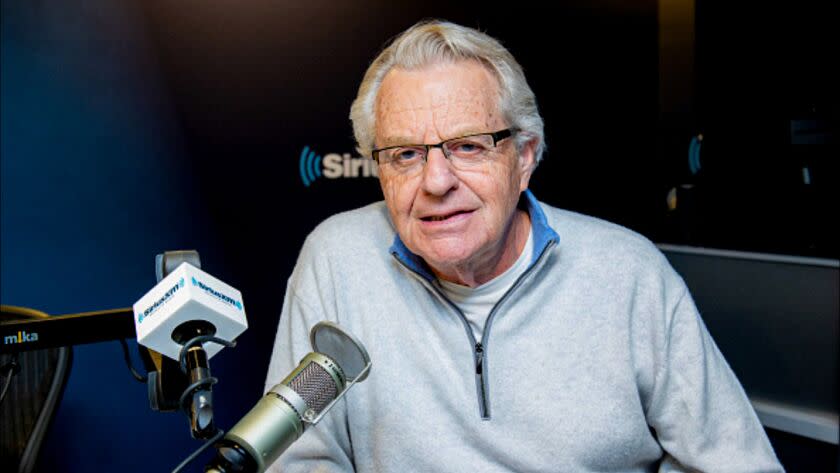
333, 166
217, 294
160, 302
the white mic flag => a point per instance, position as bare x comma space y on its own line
188, 294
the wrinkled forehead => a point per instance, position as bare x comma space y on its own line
439, 101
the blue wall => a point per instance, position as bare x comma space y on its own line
95, 182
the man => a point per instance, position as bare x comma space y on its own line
505, 335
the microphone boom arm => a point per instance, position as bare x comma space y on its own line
66, 330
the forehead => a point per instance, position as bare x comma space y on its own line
439, 101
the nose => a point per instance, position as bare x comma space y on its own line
438, 178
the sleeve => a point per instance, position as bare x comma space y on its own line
699, 411
324, 447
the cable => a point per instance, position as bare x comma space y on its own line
184, 401
182, 356
139, 377
198, 452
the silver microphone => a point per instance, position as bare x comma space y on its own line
338, 362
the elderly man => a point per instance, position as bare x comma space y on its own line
506, 335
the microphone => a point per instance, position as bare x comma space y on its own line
337, 362
179, 318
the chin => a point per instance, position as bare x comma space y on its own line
447, 256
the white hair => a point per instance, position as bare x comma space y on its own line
434, 42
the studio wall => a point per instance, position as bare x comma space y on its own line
130, 128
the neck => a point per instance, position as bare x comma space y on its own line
501, 257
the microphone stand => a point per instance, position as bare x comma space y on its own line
172, 385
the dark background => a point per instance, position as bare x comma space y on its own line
134, 127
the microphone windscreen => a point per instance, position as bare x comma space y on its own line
316, 386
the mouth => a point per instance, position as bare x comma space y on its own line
446, 216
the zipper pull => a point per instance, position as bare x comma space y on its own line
479, 353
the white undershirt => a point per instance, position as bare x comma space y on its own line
476, 303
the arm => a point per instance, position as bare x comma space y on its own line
699, 410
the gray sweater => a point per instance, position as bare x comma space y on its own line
596, 360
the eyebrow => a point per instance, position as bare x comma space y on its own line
397, 141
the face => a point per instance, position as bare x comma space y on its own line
456, 220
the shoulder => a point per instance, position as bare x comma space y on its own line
595, 244
365, 227
594, 236
619, 267
345, 244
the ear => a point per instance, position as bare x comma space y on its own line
527, 162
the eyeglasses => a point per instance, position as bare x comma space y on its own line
463, 152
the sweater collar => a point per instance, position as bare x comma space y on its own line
542, 232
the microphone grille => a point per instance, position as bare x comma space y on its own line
315, 385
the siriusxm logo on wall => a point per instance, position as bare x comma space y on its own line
333, 166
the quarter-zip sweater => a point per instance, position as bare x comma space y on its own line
595, 360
